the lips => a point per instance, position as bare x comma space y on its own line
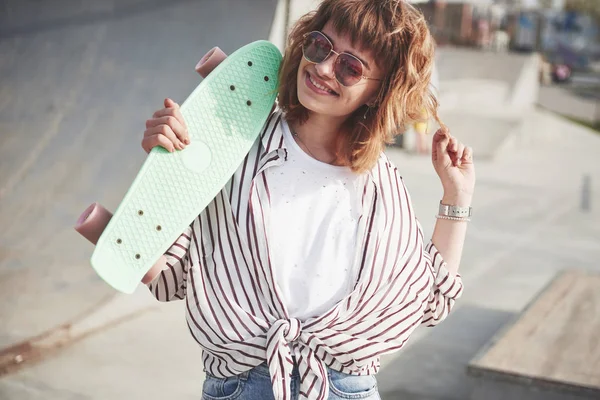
319, 86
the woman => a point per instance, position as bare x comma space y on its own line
310, 263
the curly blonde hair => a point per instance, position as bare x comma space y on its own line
398, 35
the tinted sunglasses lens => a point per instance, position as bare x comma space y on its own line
348, 70
316, 47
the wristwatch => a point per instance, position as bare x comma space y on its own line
455, 211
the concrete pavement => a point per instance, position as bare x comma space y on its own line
567, 101
77, 81
528, 224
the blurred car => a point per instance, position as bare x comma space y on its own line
561, 73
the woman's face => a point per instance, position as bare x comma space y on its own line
345, 100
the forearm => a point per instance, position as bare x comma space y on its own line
449, 236
169, 282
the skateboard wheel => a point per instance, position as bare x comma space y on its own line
92, 222
210, 61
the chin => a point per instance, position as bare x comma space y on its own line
310, 103
317, 107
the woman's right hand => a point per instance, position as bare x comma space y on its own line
166, 128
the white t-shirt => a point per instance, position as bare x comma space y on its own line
314, 215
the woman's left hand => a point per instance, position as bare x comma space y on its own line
453, 162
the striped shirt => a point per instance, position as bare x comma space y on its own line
221, 266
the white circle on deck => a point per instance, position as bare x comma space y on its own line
196, 156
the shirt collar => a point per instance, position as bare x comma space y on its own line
272, 139
275, 150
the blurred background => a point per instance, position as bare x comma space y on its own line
518, 80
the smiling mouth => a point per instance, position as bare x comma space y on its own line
321, 88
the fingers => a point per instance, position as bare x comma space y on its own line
170, 103
457, 155
171, 122
441, 137
452, 144
455, 150
446, 145
467, 156
166, 128
440, 141
168, 134
174, 112
151, 141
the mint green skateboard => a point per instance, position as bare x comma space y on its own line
224, 115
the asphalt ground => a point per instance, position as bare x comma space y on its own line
78, 79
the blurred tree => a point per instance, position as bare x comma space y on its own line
546, 3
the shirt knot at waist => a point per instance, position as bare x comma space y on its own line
292, 330
313, 382
285, 331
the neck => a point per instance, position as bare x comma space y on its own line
319, 135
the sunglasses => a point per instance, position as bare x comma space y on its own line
348, 69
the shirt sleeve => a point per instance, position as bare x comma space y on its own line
447, 288
170, 284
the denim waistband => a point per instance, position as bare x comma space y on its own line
263, 369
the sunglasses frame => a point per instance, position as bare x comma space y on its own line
337, 55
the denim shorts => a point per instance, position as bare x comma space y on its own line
255, 384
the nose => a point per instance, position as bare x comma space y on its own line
325, 68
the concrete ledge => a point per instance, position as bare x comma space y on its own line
488, 135
489, 114
526, 90
551, 345
473, 94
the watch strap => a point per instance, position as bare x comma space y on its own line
455, 211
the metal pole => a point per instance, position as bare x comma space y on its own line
286, 25
586, 193
597, 114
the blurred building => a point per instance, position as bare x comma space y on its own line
564, 37
457, 22
529, 25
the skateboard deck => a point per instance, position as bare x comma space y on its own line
224, 115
